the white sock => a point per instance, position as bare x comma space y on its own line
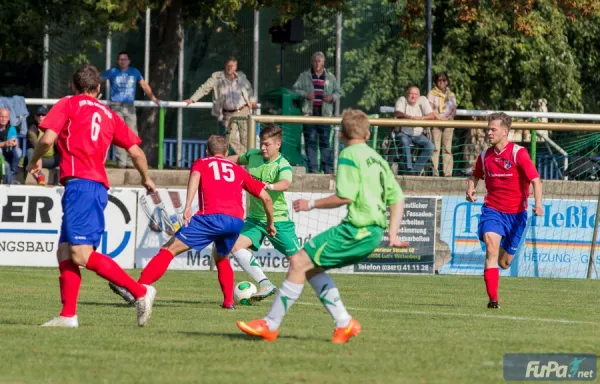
249, 264
285, 298
329, 295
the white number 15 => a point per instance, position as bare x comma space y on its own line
226, 171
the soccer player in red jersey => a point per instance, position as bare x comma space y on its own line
508, 172
85, 130
219, 183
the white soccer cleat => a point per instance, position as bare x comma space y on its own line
144, 306
61, 321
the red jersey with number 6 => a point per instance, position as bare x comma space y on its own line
221, 184
86, 129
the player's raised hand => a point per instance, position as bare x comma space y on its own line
187, 216
538, 210
301, 205
34, 168
271, 231
471, 195
149, 185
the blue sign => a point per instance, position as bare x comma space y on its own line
557, 244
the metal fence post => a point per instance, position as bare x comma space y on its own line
161, 136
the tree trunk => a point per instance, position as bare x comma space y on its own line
162, 71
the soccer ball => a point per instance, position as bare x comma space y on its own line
243, 292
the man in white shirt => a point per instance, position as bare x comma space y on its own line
414, 107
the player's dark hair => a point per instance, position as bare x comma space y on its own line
271, 131
123, 53
86, 79
217, 145
505, 120
230, 58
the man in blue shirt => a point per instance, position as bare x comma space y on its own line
123, 81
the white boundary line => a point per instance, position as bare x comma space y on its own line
515, 318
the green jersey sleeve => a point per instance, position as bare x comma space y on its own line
285, 173
393, 192
347, 179
245, 158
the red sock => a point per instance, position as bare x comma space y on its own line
69, 281
107, 268
492, 278
225, 275
157, 267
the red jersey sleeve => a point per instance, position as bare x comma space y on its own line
478, 171
254, 187
57, 116
197, 166
524, 162
124, 136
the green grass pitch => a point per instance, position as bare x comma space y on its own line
416, 329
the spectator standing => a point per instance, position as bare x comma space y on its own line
320, 90
232, 96
443, 102
123, 80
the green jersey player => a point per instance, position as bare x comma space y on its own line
366, 184
270, 167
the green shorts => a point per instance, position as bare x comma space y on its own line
343, 245
285, 241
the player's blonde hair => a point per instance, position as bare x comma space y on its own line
217, 145
355, 124
271, 132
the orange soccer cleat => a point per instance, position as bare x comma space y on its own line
258, 328
342, 335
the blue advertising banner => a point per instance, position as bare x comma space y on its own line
557, 244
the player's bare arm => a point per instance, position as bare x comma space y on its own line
538, 210
192, 189
472, 189
43, 145
280, 186
396, 213
234, 158
141, 164
148, 91
268, 204
329, 202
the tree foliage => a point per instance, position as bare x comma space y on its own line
499, 54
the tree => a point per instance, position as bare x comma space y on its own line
21, 23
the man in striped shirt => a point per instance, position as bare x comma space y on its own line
320, 90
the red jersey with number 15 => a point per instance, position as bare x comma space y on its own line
507, 175
86, 129
221, 184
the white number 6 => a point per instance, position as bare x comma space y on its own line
96, 120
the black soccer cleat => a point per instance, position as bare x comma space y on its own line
125, 294
230, 307
493, 304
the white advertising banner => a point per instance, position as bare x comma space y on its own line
159, 218
31, 217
